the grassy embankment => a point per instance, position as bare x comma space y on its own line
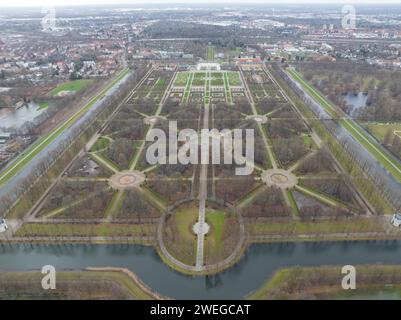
325, 283
91, 230
318, 228
83, 285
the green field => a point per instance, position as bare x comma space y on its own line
74, 86
217, 82
210, 53
100, 230
387, 161
234, 79
216, 75
188, 87
198, 82
43, 142
42, 105
379, 130
160, 82
227, 88
181, 79
355, 225
199, 75
216, 220
100, 144
207, 92
183, 244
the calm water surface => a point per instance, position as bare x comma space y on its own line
259, 263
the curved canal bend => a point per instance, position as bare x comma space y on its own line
259, 263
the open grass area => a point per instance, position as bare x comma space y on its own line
216, 74
325, 283
223, 235
198, 82
185, 219
188, 87
92, 230
216, 220
180, 239
387, 161
71, 86
294, 206
210, 53
321, 227
160, 82
42, 105
217, 82
75, 285
234, 79
101, 144
379, 130
181, 79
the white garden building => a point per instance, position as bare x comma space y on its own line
208, 66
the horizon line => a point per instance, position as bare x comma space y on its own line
190, 3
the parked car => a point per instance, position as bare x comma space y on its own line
396, 220
3, 225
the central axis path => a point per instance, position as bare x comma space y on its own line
203, 191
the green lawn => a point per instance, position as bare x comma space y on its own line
67, 229
227, 88
308, 141
185, 219
182, 244
74, 86
161, 82
294, 206
217, 82
354, 225
379, 130
181, 79
188, 87
42, 105
210, 53
100, 144
198, 82
234, 79
216, 220
217, 75
199, 75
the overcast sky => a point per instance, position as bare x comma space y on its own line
21, 3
